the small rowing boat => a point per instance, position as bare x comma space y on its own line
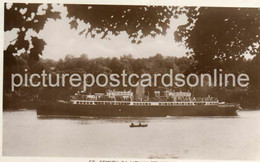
138, 125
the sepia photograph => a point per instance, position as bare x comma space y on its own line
131, 82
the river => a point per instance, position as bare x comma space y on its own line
215, 138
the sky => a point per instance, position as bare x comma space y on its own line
61, 40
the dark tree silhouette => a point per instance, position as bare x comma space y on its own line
215, 34
219, 36
24, 17
137, 21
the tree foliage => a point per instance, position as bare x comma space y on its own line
25, 17
216, 37
137, 21
219, 36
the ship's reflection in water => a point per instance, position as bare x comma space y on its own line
171, 137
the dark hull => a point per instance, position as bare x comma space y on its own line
136, 126
73, 110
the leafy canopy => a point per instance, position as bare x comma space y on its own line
219, 36
215, 36
24, 17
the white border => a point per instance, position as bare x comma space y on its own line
211, 3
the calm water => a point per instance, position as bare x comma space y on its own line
172, 137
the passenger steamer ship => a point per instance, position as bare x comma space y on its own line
95, 106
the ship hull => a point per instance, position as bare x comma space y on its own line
74, 110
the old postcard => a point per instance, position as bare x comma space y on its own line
105, 82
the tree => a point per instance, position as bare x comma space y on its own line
137, 21
218, 37
214, 35
24, 17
